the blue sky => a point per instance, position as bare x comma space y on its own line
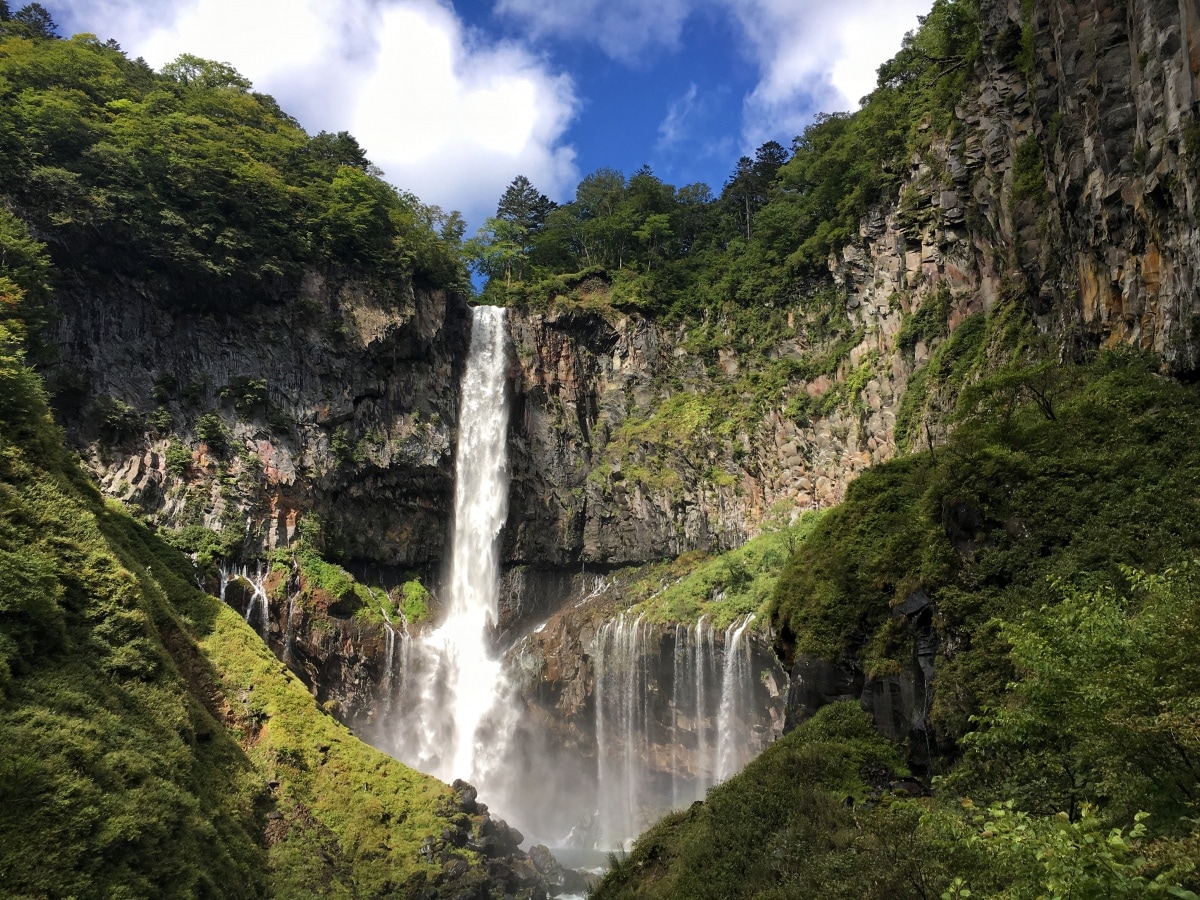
454, 99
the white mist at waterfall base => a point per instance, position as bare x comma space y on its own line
451, 705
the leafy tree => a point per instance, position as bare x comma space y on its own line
691, 217
1060, 857
1103, 710
497, 250
189, 70
336, 150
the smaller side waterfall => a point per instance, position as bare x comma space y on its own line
258, 601
730, 741
663, 744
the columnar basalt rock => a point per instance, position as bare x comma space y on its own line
336, 404
583, 377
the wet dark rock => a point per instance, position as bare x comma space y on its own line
465, 795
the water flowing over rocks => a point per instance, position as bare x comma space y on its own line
623, 719
451, 715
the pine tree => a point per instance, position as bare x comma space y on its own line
37, 21
523, 205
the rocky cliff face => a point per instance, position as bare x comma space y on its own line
597, 480
1115, 103
336, 406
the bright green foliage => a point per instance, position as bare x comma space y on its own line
1012, 499
928, 322
1057, 858
179, 458
787, 826
191, 180
414, 601
212, 431
724, 587
1104, 708
864, 555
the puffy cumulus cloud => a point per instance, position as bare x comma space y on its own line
445, 114
460, 118
624, 29
814, 55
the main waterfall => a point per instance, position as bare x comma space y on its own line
673, 709
450, 699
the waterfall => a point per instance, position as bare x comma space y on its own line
731, 743
621, 724
453, 704
676, 708
258, 601
703, 656
655, 753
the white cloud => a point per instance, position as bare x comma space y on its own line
810, 54
814, 55
624, 29
675, 125
444, 113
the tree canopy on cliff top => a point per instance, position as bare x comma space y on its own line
768, 233
190, 180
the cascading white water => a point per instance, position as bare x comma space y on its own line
452, 682
258, 601
731, 742
705, 736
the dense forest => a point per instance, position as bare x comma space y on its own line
1040, 523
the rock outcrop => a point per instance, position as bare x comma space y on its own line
336, 405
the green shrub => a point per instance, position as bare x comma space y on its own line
179, 458
118, 420
211, 430
414, 601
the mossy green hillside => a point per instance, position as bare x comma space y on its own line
1053, 530
724, 587
150, 744
786, 826
1103, 476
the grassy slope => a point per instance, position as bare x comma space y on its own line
150, 745
723, 587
